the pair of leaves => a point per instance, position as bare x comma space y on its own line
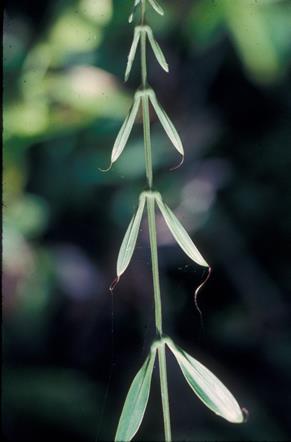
176, 228
128, 123
143, 32
209, 389
154, 4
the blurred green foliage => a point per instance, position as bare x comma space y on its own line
66, 365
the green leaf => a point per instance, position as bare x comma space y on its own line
129, 240
167, 124
132, 53
154, 4
206, 386
130, 18
157, 50
180, 234
124, 132
136, 401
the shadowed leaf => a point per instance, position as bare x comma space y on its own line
132, 53
167, 124
136, 401
129, 240
124, 132
136, 2
154, 4
157, 50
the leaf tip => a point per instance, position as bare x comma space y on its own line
114, 284
105, 170
236, 415
245, 414
178, 165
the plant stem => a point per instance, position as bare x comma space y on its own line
153, 236
147, 141
145, 107
143, 52
164, 392
158, 317
155, 264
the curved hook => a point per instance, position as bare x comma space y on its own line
178, 165
105, 170
196, 294
114, 284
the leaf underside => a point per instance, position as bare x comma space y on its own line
209, 389
136, 2
157, 51
167, 125
132, 53
180, 234
154, 4
124, 132
129, 240
136, 402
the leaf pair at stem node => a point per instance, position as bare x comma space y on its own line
144, 31
153, 3
126, 128
176, 228
209, 389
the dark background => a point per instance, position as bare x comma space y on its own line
70, 349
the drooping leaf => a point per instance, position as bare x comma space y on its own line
124, 132
136, 401
167, 124
132, 53
180, 234
207, 386
154, 4
129, 240
130, 18
157, 50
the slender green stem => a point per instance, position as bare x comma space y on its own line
143, 8
153, 236
164, 392
143, 52
155, 264
145, 105
147, 141
158, 316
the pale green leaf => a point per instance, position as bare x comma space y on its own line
129, 240
157, 50
130, 18
136, 401
180, 234
124, 132
167, 124
154, 4
206, 386
132, 53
